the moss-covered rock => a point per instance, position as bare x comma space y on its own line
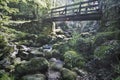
56, 64
34, 65
68, 75
34, 77
72, 59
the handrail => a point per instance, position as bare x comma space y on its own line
74, 4
91, 7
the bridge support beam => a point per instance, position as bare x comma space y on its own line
53, 27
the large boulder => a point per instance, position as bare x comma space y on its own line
56, 64
72, 59
34, 65
68, 75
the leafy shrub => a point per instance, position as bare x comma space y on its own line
5, 76
101, 51
43, 39
118, 78
107, 49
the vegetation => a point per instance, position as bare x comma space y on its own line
78, 51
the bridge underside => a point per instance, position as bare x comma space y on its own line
81, 17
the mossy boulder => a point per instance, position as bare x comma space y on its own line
34, 77
56, 64
68, 75
34, 65
72, 59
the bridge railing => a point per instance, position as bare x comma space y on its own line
86, 7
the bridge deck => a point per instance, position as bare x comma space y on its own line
87, 10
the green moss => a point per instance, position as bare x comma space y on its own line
72, 59
34, 65
68, 75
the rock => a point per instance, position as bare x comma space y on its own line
24, 48
53, 75
56, 64
85, 34
23, 55
15, 52
47, 48
68, 75
73, 59
80, 72
34, 65
56, 54
35, 52
53, 60
34, 77
5, 62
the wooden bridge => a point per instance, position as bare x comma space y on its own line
87, 10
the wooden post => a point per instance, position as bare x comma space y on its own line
65, 10
86, 10
51, 13
80, 8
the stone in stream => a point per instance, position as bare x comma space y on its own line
53, 75
34, 77
54, 69
47, 48
56, 64
36, 52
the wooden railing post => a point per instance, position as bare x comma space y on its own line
86, 9
51, 13
65, 10
80, 8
